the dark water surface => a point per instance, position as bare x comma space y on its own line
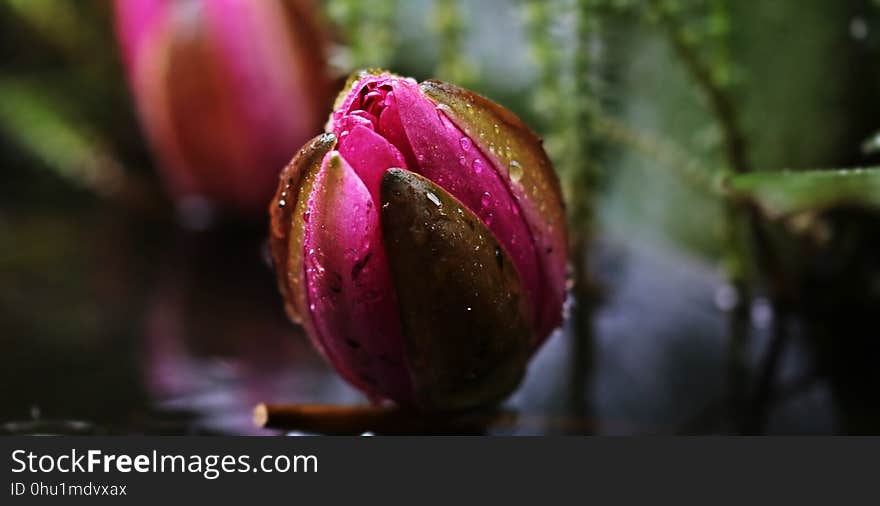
116, 323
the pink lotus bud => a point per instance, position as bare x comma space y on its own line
223, 89
422, 244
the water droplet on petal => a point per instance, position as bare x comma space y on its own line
478, 166
306, 216
465, 144
433, 198
462, 161
486, 200
515, 171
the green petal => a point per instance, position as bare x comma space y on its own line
466, 328
527, 170
286, 226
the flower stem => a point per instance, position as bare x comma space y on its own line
747, 236
453, 64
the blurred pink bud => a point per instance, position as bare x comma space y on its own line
421, 242
224, 89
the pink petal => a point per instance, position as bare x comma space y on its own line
446, 156
136, 23
370, 155
349, 289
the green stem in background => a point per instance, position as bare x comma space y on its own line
746, 235
453, 64
581, 178
566, 102
40, 126
719, 100
665, 153
547, 58
370, 31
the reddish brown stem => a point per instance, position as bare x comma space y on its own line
353, 420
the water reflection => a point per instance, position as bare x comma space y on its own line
117, 324
215, 340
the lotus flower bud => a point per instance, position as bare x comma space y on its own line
421, 242
223, 89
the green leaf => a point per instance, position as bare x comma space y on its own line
785, 193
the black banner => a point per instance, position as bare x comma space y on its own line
455, 470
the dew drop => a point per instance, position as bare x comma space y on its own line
282, 203
486, 200
478, 166
465, 144
306, 216
516, 171
433, 198
462, 161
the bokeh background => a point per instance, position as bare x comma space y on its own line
136, 299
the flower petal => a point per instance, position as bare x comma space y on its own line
449, 158
350, 296
286, 225
370, 155
528, 174
465, 320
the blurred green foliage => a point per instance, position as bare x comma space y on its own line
607, 90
